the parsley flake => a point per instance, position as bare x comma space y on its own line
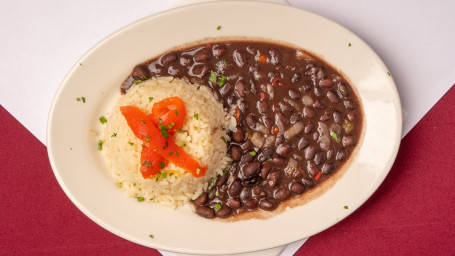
196, 116
217, 207
346, 207
100, 145
131, 143
223, 79
212, 182
180, 144
114, 135
334, 135
176, 113
349, 44
218, 28
103, 120
212, 77
198, 171
137, 81
178, 130
162, 165
223, 139
147, 138
147, 164
150, 99
253, 153
388, 73
151, 236
140, 199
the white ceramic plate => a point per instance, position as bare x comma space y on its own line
82, 173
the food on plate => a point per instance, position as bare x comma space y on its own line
156, 149
297, 119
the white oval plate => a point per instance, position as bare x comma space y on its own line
81, 170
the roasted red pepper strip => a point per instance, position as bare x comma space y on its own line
151, 162
170, 112
145, 129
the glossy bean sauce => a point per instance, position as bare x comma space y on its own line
298, 119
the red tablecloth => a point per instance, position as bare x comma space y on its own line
412, 213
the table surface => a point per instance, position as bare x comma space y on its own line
411, 213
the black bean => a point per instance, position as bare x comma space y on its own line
298, 173
156, 69
283, 149
294, 118
239, 57
221, 180
235, 168
286, 108
318, 91
168, 58
260, 192
202, 199
202, 55
319, 104
294, 94
337, 116
265, 169
140, 73
251, 120
246, 158
341, 155
186, 60
243, 105
219, 50
251, 49
315, 136
307, 182
237, 134
282, 194
311, 169
175, 70
321, 74
223, 212
240, 88
333, 97
225, 89
331, 153
280, 121
324, 117
297, 188
308, 112
251, 203
295, 78
349, 104
279, 161
267, 204
326, 83
235, 153
343, 90
233, 202
279, 139
251, 169
318, 157
235, 187
274, 178
247, 145
351, 116
308, 128
267, 121
205, 212
303, 143
230, 100
199, 70
245, 194
265, 154
262, 107
310, 151
275, 57
327, 168
348, 140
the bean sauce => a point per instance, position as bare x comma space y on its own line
298, 119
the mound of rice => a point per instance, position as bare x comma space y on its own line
202, 137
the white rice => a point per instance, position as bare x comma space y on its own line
202, 137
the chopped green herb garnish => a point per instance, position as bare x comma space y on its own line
223, 139
223, 79
171, 153
140, 199
178, 130
80, 64
78, 99
388, 73
83, 99
224, 61
119, 184
103, 120
170, 174
198, 171
143, 121
157, 177
131, 143
217, 207
137, 81
269, 159
151, 236
346, 207
218, 28
225, 171
262, 184
334, 135
349, 44
212, 182
134, 184
196, 116
217, 193
150, 99
253, 153
114, 135
147, 164
162, 165
176, 153
176, 113
100, 145
171, 126
144, 77
180, 144
164, 175
164, 132
147, 138
212, 77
